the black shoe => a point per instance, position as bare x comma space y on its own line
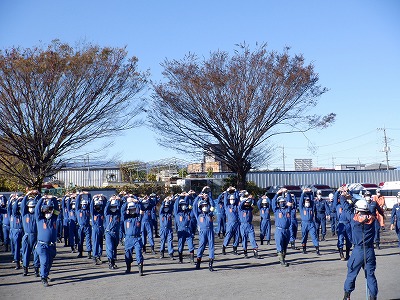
128, 268
180, 255
171, 256
223, 250
235, 250
317, 251
140, 267
25, 271
89, 255
210, 265
79, 255
198, 262
36, 272
323, 238
255, 251
268, 242
262, 242
45, 282
17, 266
161, 254
304, 249
346, 296
245, 254
152, 250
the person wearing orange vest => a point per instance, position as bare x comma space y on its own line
380, 199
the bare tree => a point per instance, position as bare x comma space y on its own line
231, 106
55, 99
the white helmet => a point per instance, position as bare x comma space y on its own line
362, 205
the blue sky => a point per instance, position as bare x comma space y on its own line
354, 45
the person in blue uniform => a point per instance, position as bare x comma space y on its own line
73, 236
321, 213
231, 200
293, 222
332, 214
184, 229
343, 203
190, 198
17, 231
133, 240
155, 200
307, 215
264, 206
65, 218
82, 213
166, 232
395, 218
112, 219
46, 222
221, 216
204, 213
363, 254
96, 207
6, 223
146, 206
60, 221
282, 210
246, 226
30, 231
375, 209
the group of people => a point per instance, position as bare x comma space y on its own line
34, 223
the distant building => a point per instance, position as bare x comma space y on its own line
350, 167
379, 166
210, 161
304, 164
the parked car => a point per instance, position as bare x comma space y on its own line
389, 190
361, 188
325, 189
292, 189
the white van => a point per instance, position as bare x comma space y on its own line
389, 190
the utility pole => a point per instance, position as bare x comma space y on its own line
283, 156
386, 148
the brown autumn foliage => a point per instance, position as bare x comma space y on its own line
55, 99
231, 105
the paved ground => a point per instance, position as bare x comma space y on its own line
308, 277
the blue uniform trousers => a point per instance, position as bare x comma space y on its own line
166, 234
248, 234
344, 234
320, 224
84, 232
147, 234
28, 245
111, 244
282, 237
97, 240
221, 223
17, 235
46, 255
73, 234
6, 234
360, 259
232, 231
265, 229
333, 221
308, 227
293, 230
206, 236
185, 236
130, 244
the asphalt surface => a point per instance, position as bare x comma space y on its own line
308, 276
